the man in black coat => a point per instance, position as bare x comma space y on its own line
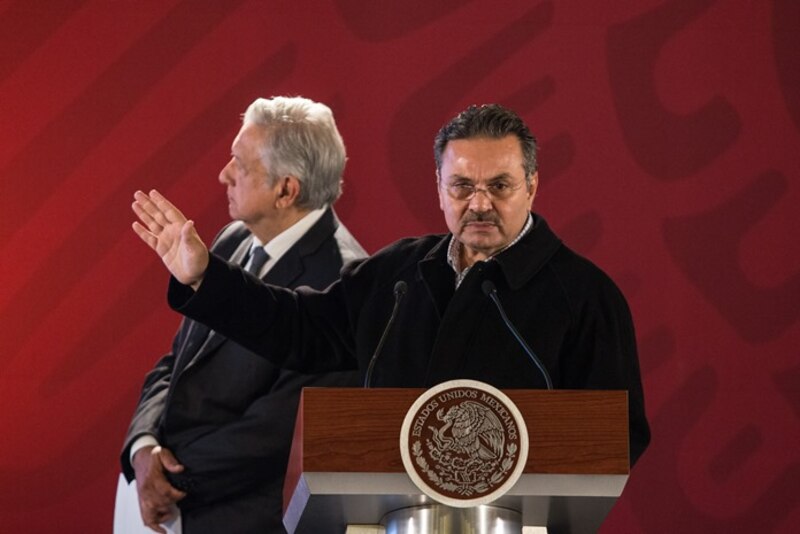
214, 423
571, 313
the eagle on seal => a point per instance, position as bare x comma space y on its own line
475, 430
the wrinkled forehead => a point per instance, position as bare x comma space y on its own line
483, 158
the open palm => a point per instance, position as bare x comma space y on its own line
167, 231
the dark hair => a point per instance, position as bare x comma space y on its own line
489, 120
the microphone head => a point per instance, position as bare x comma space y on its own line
488, 288
400, 289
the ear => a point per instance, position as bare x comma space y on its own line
288, 189
533, 187
439, 189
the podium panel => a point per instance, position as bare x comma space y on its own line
346, 468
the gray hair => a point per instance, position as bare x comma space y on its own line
489, 120
304, 143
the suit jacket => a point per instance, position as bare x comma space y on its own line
227, 414
569, 311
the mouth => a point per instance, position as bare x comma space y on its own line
479, 223
479, 228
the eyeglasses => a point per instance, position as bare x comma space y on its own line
495, 190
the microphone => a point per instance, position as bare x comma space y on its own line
399, 292
490, 291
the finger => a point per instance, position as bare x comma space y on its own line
145, 217
175, 494
144, 201
145, 235
165, 493
148, 212
164, 512
188, 232
151, 520
164, 516
169, 461
164, 496
154, 517
155, 526
151, 208
154, 498
167, 208
169, 493
167, 515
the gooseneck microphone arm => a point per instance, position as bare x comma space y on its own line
490, 291
399, 292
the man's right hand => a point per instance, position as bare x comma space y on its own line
157, 497
164, 228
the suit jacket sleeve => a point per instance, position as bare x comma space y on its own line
151, 401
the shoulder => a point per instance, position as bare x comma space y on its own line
349, 247
417, 247
374, 277
392, 261
584, 280
328, 235
233, 232
229, 239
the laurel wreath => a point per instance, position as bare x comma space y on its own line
442, 475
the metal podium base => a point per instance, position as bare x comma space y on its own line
440, 519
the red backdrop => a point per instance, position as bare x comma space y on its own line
669, 136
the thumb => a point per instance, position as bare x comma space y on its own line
169, 461
188, 231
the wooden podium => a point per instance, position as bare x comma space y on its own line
345, 466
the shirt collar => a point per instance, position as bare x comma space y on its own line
281, 243
454, 249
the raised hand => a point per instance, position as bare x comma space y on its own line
165, 229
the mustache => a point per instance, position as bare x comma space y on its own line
487, 217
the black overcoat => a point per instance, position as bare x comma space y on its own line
569, 311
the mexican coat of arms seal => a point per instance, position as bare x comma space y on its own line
464, 443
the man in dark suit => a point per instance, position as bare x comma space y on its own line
213, 427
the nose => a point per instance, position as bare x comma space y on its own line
225, 175
480, 201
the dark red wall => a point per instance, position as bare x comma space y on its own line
670, 133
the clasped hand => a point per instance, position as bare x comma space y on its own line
157, 497
165, 229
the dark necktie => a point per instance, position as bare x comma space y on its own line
259, 258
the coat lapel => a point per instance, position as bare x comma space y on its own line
292, 264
